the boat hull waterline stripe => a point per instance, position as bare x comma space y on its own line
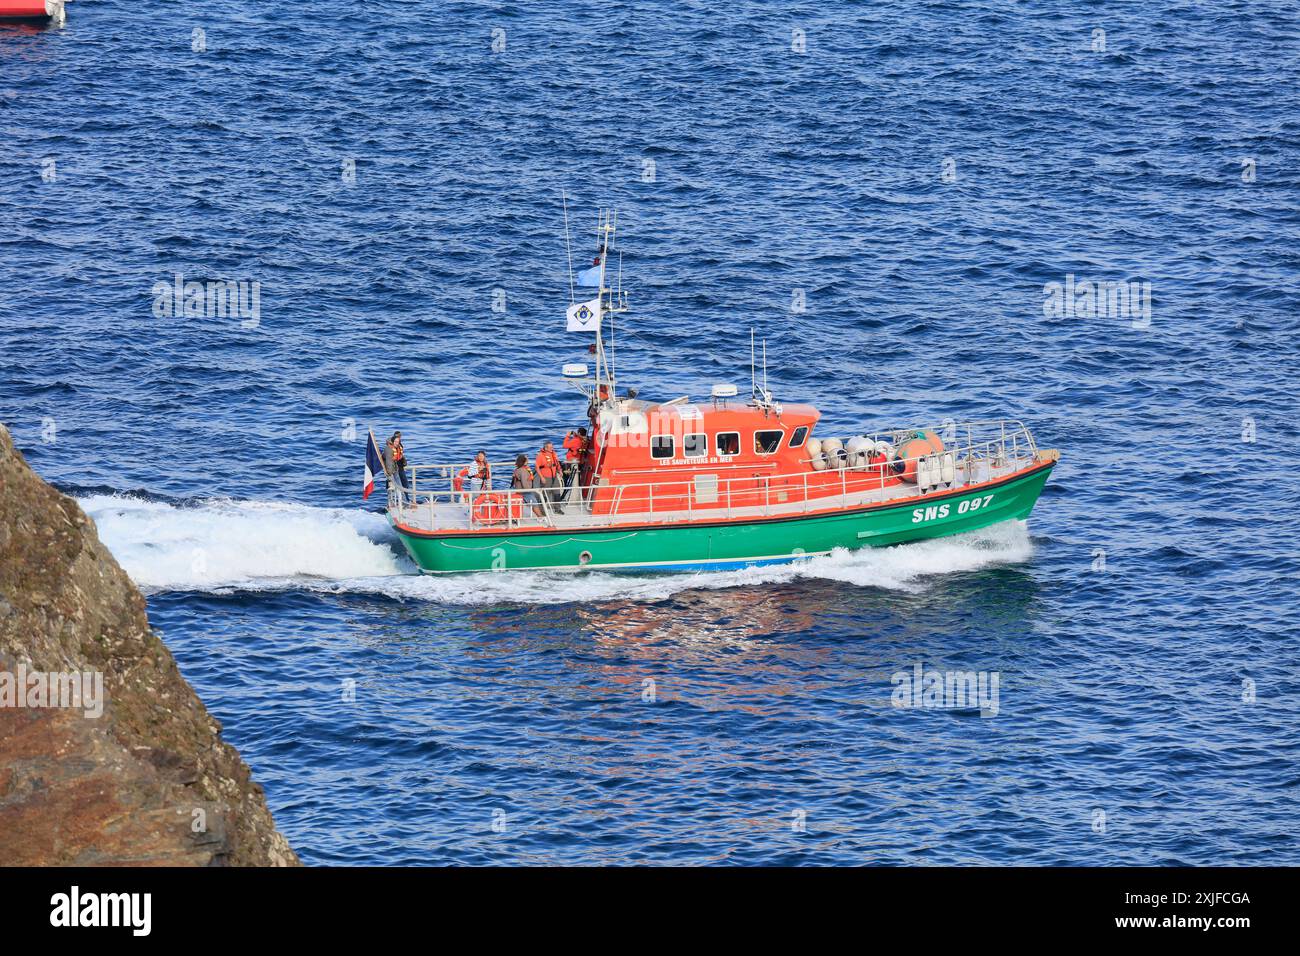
719, 546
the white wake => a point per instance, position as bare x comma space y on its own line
254, 544
223, 545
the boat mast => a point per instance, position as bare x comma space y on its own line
612, 302
760, 395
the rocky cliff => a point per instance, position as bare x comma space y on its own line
136, 775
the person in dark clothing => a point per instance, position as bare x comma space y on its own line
396, 479
523, 479
399, 459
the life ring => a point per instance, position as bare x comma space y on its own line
491, 509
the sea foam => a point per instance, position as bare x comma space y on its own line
220, 545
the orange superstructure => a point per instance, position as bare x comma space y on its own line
723, 453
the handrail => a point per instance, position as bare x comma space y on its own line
1010, 448
508, 465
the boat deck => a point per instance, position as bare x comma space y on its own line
445, 512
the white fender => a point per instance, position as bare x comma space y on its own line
947, 468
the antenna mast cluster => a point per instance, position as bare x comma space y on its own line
760, 394
613, 301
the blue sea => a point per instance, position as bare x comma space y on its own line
903, 200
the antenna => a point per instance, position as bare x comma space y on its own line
753, 384
761, 397
567, 249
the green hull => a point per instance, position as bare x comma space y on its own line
721, 545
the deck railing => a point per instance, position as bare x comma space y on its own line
980, 450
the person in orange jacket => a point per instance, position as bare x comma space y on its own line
575, 443
576, 446
548, 473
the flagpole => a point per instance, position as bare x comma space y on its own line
601, 360
373, 477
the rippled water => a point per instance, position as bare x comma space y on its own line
919, 174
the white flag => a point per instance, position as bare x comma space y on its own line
585, 316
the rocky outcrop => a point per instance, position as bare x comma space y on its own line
146, 782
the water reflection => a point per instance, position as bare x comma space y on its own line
757, 649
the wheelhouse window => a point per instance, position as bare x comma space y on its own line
661, 446
799, 437
766, 443
695, 445
728, 443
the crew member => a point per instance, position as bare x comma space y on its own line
576, 446
399, 459
548, 473
480, 473
387, 457
396, 478
524, 480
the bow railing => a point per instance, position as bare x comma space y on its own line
980, 451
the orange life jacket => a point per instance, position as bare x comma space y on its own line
548, 464
398, 454
573, 448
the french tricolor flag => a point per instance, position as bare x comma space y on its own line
374, 464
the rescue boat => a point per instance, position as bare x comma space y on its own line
719, 483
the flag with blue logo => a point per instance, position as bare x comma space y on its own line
585, 316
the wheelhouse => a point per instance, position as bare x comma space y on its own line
723, 453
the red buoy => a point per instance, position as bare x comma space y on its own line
32, 11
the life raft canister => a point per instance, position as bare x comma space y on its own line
910, 449
491, 509
34, 11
